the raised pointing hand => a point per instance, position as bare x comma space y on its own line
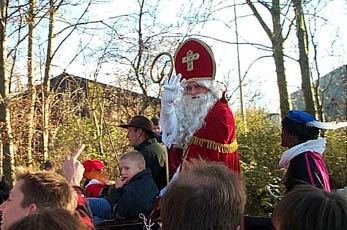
72, 168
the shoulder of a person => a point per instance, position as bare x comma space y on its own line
79, 190
137, 181
154, 146
220, 106
220, 115
142, 173
301, 158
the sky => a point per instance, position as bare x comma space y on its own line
259, 77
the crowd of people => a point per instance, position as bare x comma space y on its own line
37, 191
187, 159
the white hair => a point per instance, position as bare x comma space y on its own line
215, 87
192, 110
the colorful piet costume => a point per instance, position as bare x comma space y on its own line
215, 138
96, 179
304, 159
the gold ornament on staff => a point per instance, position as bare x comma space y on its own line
162, 73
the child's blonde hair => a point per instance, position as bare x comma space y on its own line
134, 156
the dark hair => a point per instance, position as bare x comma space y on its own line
49, 165
307, 207
205, 195
155, 121
303, 132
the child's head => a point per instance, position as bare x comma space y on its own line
307, 207
130, 164
156, 126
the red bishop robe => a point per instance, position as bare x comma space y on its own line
214, 141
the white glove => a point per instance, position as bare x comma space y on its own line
172, 88
168, 120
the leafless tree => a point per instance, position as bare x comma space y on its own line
277, 39
301, 32
6, 151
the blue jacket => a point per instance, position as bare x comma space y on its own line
135, 197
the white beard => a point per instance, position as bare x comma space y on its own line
191, 112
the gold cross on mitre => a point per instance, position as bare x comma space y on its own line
189, 59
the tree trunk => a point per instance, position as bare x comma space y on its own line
277, 41
277, 44
5, 118
46, 81
98, 115
31, 88
301, 32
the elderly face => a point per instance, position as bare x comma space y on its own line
12, 209
193, 88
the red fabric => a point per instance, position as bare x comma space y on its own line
90, 165
219, 127
194, 60
83, 210
93, 190
175, 159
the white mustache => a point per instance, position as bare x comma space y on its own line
195, 96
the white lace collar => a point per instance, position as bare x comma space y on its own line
317, 145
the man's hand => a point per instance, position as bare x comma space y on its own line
172, 88
72, 169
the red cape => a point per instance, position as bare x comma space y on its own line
215, 141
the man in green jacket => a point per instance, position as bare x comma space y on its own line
143, 139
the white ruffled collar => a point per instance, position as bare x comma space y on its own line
317, 145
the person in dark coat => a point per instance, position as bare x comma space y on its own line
304, 157
132, 194
143, 139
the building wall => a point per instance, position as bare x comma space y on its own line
333, 94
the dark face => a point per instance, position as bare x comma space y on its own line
288, 139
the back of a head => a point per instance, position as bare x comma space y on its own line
49, 166
310, 208
46, 190
50, 219
205, 195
